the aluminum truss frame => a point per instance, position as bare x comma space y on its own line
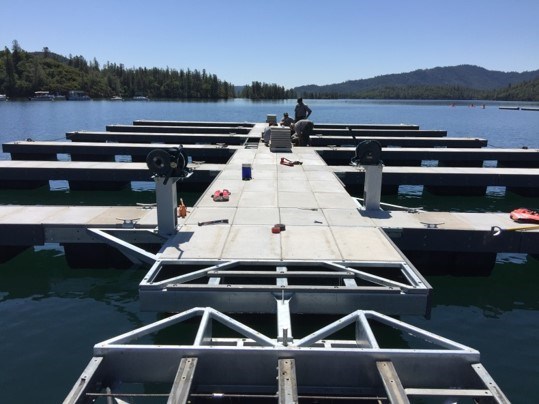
314, 365
394, 288
254, 285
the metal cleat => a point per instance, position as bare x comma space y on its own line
128, 223
432, 225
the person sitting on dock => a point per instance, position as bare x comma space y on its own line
303, 129
286, 121
301, 111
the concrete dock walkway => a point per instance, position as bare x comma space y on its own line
308, 199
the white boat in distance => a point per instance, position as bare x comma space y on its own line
3, 97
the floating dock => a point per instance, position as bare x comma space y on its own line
287, 243
116, 175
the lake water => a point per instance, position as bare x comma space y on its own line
51, 316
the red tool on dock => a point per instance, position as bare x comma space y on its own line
523, 215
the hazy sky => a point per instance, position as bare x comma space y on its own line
290, 43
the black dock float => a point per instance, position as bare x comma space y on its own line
446, 157
169, 138
378, 132
93, 175
144, 122
366, 126
91, 151
320, 141
179, 129
448, 180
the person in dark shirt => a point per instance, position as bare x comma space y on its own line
302, 111
286, 121
303, 128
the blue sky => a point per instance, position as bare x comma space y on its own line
291, 43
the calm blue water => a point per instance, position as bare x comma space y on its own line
51, 316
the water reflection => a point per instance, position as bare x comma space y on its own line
511, 286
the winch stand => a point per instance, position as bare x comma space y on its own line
167, 203
372, 189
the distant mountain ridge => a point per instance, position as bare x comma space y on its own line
466, 76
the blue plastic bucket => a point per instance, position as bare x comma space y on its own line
246, 172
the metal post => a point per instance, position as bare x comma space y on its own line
288, 389
179, 393
373, 186
392, 384
167, 204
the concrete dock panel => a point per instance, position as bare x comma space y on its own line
482, 221
304, 217
252, 243
364, 244
265, 216
28, 215
291, 174
334, 200
261, 185
441, 220
291, 186
308, 242
205, 214
264, 199
347, 217
301, 200
7, 211
71, 214
195, 242
328, 186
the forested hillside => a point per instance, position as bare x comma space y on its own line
22, 73
457, 82
259, 91
526, 91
